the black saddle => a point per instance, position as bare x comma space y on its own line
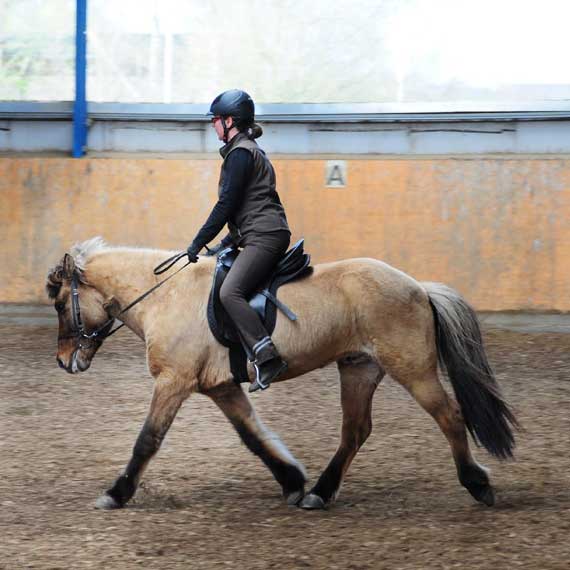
293, 265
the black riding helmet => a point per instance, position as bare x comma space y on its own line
236, 104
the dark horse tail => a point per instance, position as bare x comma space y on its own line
461, 352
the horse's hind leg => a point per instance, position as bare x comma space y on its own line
288, 472
429, 393
169, 393
359, 378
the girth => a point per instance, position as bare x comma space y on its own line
293, 265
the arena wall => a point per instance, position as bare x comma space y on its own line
495, 227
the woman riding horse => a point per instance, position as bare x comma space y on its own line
248, 202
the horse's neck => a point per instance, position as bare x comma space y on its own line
124, 276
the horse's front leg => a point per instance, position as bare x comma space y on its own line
169, 393
288, 472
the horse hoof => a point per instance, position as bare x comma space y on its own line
487, 497
312, 502
106, 503
294, 498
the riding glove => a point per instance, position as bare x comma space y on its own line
192, 252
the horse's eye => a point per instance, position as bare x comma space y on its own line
59, 306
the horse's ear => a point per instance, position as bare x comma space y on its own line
68, 265
112, 306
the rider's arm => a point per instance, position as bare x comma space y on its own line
238, 169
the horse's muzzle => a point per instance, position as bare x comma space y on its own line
76, 363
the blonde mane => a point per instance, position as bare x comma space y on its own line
81, 252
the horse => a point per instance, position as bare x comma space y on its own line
368, 317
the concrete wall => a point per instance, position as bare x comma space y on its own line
356, 138
494, 227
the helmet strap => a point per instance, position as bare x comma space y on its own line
226, 129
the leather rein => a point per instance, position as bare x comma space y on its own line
104, 331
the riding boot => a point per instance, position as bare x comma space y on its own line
268, 364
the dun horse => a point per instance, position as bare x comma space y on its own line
367, 316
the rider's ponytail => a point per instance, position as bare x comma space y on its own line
254, 131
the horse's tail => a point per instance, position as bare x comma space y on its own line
461, 352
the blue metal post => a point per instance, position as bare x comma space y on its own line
80, 104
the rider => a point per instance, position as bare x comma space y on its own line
248, 202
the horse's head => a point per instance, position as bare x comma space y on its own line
81, 311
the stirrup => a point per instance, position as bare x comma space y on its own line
258, 384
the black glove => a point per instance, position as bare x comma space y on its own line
211, 251
192, 252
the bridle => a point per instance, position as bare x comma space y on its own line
79, 331
104, 331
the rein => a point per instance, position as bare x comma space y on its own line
104, 331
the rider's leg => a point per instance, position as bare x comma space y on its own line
253, 265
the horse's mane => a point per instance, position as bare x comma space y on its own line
81, 253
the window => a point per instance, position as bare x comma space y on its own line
37, 50
403, 52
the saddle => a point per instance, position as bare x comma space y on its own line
295, 264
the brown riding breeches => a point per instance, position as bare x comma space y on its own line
252, 267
